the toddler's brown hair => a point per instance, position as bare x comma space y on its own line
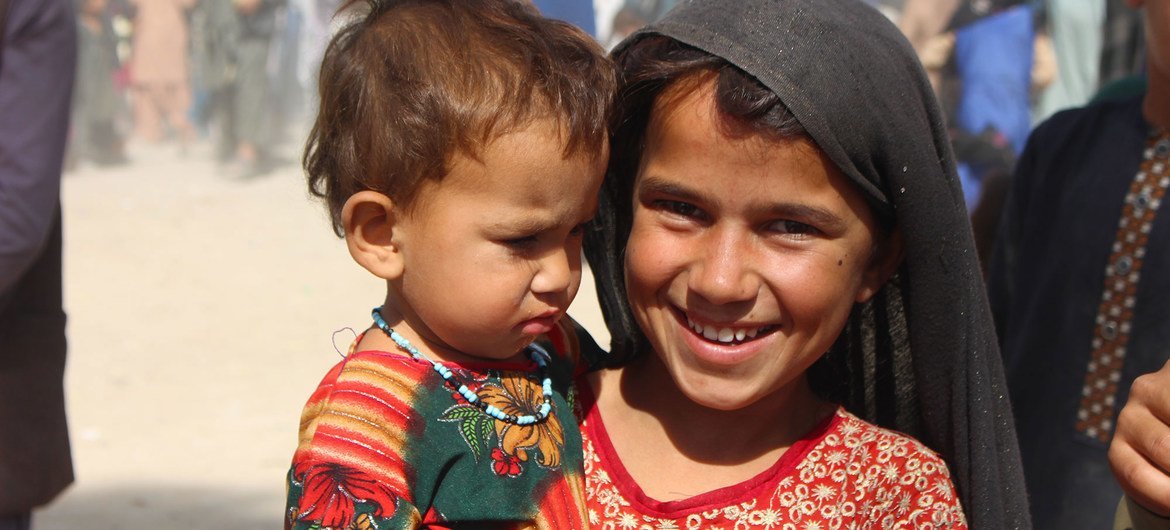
409, 83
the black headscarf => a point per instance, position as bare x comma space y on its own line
921, 357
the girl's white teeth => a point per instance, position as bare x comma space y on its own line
722, 334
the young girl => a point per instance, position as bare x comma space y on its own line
460, 147
789, 270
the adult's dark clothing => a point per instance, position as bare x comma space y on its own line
1046, 283
37, 61
921, 357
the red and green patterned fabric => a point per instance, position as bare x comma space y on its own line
384, 443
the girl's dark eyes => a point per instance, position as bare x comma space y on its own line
788, 226
796, 227
688, 210
684, 209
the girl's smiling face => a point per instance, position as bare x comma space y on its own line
746, 254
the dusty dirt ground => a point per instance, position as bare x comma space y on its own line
202, 310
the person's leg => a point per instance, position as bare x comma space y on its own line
147, 119
19, 521
223, 116
252, 98
178, 104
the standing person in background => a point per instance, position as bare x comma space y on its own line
285, 92
993, 61
239, 33
158, 66
1078, 285
97, 103
993, 65
1075, 27
38, 43
923, 22
319, 16
1123, 55
1095, 44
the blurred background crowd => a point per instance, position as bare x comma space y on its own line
176, 71
241, 73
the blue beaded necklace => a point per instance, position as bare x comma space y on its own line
535, 352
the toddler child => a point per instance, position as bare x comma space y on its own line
460, 146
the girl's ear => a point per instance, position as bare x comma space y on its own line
884, 263
371, 222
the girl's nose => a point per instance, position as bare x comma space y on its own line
723, 273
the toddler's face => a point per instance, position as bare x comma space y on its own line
492, 253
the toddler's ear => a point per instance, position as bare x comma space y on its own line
369, 219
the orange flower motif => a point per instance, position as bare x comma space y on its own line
519, 395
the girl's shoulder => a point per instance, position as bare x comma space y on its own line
889, 472
848, 430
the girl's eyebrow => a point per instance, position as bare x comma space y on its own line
661, 186
825, 220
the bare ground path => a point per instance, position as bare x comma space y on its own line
201, 311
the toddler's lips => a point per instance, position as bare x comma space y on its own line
539, 325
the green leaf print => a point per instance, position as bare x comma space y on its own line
487, 425
475, 426
469, 429
460, 413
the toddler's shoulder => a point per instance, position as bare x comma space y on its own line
369, 372
369, 396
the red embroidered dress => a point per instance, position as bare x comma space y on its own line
845, 474
384, 443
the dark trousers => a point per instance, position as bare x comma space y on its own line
20, 521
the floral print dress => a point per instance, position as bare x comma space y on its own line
845, 474
384, 443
